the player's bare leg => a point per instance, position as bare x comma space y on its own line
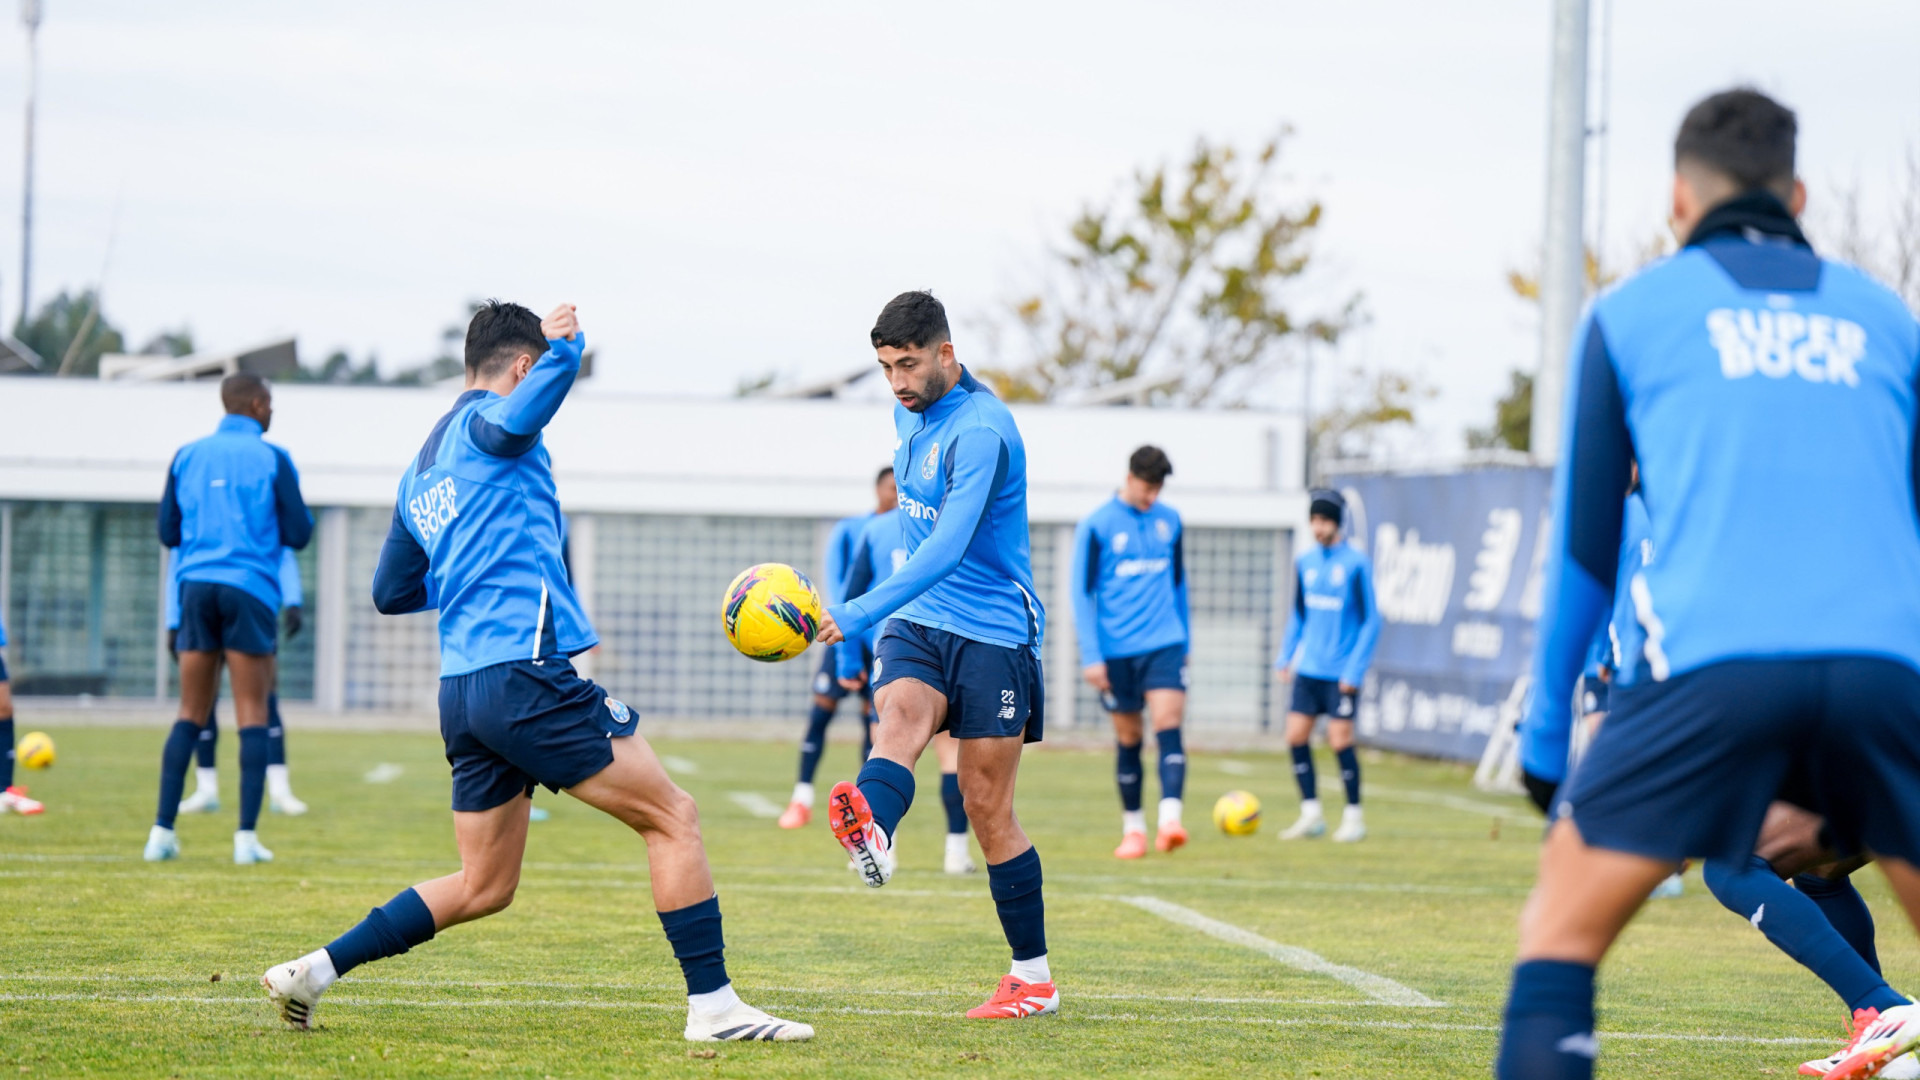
957, 859
252, 679
988, 770
13, 798
1312, 821
1353, 826
199, 682
910, 713
1168, 708
636, 790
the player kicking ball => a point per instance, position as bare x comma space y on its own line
960, 652
1130, 614
1329, 644
477, 533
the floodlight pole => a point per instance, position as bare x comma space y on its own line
1563, 268
30, 18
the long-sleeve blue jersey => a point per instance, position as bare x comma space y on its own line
962, 471
1335, 622
1129, 582
291, 592
1769, 397
477, 531
880, 549
840, 547
1626, 655
232, 503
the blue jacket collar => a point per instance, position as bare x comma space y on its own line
1752, 216
235, 424
954, 397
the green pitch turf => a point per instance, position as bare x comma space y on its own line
112, 967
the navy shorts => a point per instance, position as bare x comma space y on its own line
1593, 695
216, 618
992, 691
510, 726
1686, 767
1322, 697
1132, 676
826, 682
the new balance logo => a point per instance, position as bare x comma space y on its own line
1006, 713
1818, 348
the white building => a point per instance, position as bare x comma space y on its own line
668, 498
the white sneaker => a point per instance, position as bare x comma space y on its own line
866, 843
1904, 1067
247, 849
1353, 827
161, 845
959, 857
743, 1023
202, 801
1669, 888
1312, 824
292, 989
286, 804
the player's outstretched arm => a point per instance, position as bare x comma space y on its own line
1086, 603
511, 426
974, 460
401, 584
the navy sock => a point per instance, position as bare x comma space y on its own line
1127, 774
1173, 763
1795, 925
390, 930
1303, 772
1350, 773
1844, 908
253, 774
888, 787
1015, 885
694, 933
209, 738
816, 741
174, 759
276, 735
1548, 1031
6, 760
955, 804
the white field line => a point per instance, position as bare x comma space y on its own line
1234, 768
1378, 987
384, 773
1132, 1018
679, 764
1450, 802
755, 803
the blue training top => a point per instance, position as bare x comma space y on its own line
1129, 581
840, 547
962, 471
478, 533
1335, 622
291, 593
232, 503
1769, 397
881, 549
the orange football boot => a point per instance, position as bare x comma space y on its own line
1017, 1000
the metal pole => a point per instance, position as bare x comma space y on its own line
1563, 266
30, 18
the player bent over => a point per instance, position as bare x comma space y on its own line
1130, 614
1329, 644
1800, 374
477, 533
961, 650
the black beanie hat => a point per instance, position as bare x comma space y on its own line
1328, 504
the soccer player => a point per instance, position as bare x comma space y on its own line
12, 796
1325, 654
1130, 614
961, 652
881, 550
477, 533
827, 689
1756, 383
232, 503
206, 793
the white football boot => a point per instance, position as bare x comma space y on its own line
1878, 1043
959, 859
1312, 823
162, 845
743, 1023
866, 843
248, 850
295, 987
1353, 827
280, 797
206, 793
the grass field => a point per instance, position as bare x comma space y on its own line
112, 967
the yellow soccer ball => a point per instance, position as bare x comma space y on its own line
772, 612
1237, 813
35, 750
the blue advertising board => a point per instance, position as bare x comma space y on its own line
1457, 573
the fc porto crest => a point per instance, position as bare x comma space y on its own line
932, 464
621, 714
1163, 529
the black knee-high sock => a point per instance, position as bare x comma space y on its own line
276, 734
1548, 1033
6, 759
694, 933
1015, 885
1127, 774
1303, 772
253, 774
388, 930
816, 741
174, 759
1173, 763
1350, 773
1843, 906
209, 738
956, 804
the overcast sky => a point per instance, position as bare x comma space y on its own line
730, 189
